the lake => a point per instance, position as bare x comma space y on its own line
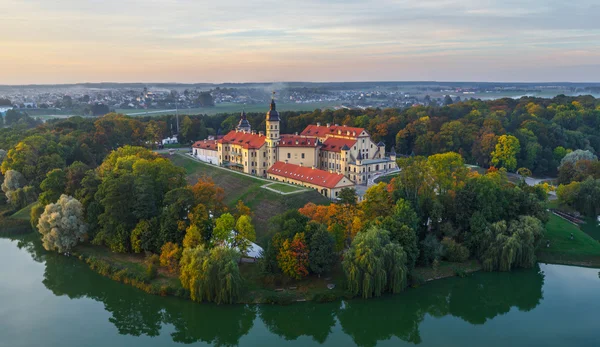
50, 300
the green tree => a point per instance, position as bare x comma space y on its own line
244, 234
348, 196
62, 225
53, 186
211, 275
321, 255
223, 233
505, 154
374, 264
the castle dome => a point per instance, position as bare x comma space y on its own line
243, 124
273, 115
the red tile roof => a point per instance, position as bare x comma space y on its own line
334, 144
323, 130
306, 174
244, 139
297, 141
206, 144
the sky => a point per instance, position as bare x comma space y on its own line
193, 41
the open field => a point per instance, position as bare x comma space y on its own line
582, 250
264, 203
230, 108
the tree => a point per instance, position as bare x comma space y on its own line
321, 255
348, 196
223, 233
170, 253
211, 275
376, 201
505, 154
62, 225
13, 180
144, 236
293, 257
512, 244
241, 210
210, 195
244, 234
576, 156
205, 99
53, 186
374, 265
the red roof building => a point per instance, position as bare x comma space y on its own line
206, 144
297, 141
334, 144
245, 139
308, 175
321, 131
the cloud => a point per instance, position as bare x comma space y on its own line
266, 40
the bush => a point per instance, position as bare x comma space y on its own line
454, 251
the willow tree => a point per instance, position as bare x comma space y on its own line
374, 264
211, 275
513, 244
62, 225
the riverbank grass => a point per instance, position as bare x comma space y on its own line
583, 250
14, 223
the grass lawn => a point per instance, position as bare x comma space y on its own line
582, 250
284, 188
264, 203
24, 213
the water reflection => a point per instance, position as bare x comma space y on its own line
475, 300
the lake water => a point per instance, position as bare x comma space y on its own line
51, 300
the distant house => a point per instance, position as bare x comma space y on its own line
170, 140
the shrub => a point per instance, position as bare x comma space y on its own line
454, 251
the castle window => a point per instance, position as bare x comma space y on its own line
302, 155
289, 155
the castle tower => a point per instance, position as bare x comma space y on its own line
243, 125
273, 128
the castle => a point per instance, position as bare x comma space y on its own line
324, 157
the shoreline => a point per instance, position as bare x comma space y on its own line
121, 268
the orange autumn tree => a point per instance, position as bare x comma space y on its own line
336, 216
293, 257
210, 195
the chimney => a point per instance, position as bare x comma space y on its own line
286, 161
328, 125
296, 133
318, 124
261, 133
313, 167
296, 141
300, 164
253, 132
336, 125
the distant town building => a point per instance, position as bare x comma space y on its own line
170, 141
324, 157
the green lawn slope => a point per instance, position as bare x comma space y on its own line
264, 203
582, 250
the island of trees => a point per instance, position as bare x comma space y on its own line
93, 184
